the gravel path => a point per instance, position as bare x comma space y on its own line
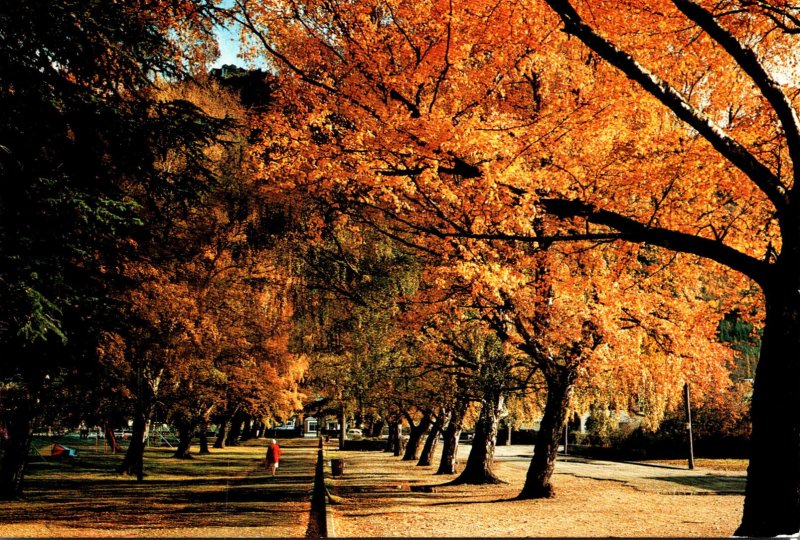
593, 499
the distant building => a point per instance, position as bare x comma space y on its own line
227, 70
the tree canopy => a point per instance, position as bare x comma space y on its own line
417, 205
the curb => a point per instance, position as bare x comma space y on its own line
318, 516
330, 528
321, 523
329, 523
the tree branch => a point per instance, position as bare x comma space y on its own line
749, 62
728, 147
632, 231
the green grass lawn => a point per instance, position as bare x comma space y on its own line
219, 491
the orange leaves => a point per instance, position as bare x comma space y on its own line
211, 307
446, 124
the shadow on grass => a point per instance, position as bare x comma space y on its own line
460, 503
222, 489
656, 465
716, 484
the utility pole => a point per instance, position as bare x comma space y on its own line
689, 424
342, 427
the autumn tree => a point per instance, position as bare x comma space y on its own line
489, 383
451, 137
211, 309
357, 280
580, 319
729, 84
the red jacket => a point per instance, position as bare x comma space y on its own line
273, 453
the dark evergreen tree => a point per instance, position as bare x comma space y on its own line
78, 120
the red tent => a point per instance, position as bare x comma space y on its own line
60, 451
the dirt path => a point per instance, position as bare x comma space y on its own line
378, 502
225, 494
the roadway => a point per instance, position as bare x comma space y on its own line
649, 477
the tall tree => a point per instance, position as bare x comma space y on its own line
79, 118
347, 318
467, 121
214, 309
730, 82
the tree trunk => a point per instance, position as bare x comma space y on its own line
478, 469
394, 434
221, 432
377, 428
447, 464
508, 434
426, 457
236, 429
19, 425
415, 436
133, 463
537, 481
342, 428
204, 437
185, 435
247, 432
397, 443
772, 494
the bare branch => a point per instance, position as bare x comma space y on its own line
634, 231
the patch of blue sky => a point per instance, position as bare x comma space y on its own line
230, 50
230, 46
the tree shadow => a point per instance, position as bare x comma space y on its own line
715, 484
459, 503
657, 465
224, 489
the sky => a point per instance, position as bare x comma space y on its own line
228, 48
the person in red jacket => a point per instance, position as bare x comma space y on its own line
273, 456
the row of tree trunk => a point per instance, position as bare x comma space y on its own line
447, 422
242, 427
479, 465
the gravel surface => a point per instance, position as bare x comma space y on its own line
667, 478
592, 499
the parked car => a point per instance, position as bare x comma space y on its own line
354, 433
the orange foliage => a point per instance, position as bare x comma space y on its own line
458, 126
447, 123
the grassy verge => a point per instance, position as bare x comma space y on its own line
225, 493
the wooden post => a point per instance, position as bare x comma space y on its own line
566, 436
689, 424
